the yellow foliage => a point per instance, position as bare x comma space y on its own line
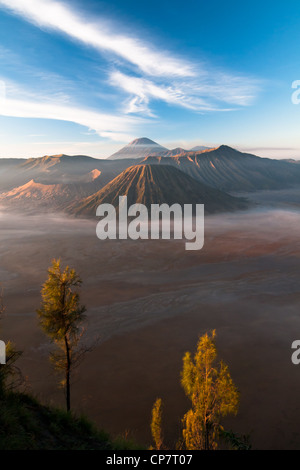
212, 392
156, 428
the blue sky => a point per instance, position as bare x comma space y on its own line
86, 77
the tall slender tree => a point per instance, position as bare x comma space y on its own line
156, 421
212, 392
61, 317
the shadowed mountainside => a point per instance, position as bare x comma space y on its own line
58, 169
153, 184
53, 182
32, 195
228, 169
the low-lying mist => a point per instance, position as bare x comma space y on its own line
261, 221
148, 300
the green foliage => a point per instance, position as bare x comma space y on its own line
156, 428
61, 316
236, 441
124, 442
212, 392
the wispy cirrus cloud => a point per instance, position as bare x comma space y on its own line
52, 103
228, 88
142, 90
152, 76
110, 126
60, 17
210, 92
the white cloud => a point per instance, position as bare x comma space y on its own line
163, 77
106, 125
58, 16
228, 88
208, 93
142, 90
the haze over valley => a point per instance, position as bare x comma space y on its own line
77, 184
151, 299
148, 299
149, 227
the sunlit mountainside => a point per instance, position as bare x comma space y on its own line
153, 184
59, 182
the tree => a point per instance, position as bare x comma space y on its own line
61, 317
212, 392
156, 429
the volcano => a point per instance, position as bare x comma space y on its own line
153, 184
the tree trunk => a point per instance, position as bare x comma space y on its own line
68, 368
206, 438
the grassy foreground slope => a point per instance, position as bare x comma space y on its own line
25, 424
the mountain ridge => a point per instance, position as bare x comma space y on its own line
143, 147
138, 148
222, 168
147, 184
228, 169
35, 195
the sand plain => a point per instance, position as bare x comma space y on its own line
148, 301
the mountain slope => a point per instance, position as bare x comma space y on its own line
59, 169
59, 179
139, 148
144, 147
199, 147
26, 424
228, 169
33, 195
173, 152
150, 184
